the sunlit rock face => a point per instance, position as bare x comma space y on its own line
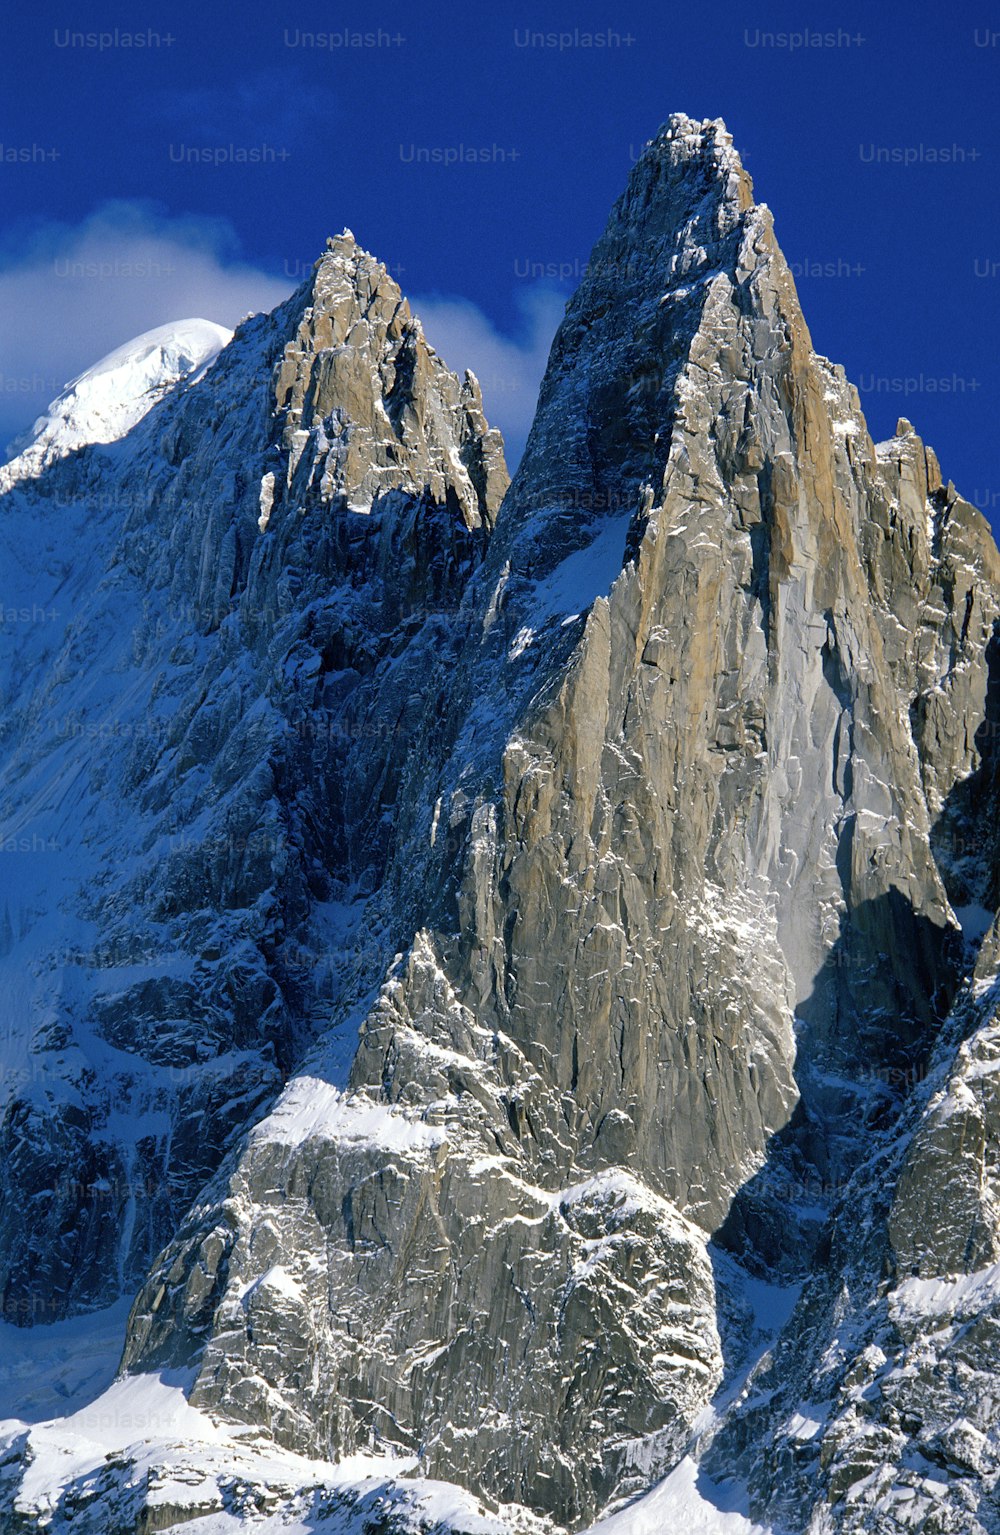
526, 937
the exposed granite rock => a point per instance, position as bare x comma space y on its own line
637, 813
681, 802
213, 817
365, 405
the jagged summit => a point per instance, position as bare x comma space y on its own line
365, 405
346, 237
686, 193
701, 154
638, 336
686, 200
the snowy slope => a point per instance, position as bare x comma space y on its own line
107, 400
140, 1442
141, 1439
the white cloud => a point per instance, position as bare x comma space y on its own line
71, 293
509, 368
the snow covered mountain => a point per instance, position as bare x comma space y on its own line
104, 403
501, 982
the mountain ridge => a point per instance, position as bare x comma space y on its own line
625, 818
104, 402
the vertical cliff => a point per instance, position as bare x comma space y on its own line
622, 914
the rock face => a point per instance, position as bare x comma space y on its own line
601, 875
209, 820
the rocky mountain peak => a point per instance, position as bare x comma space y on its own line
366, 406
568, 951
685, 231
688, 186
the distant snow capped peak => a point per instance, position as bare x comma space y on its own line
107, 400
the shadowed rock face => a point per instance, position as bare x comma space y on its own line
628, 817
213, 742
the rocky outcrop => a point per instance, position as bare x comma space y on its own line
188, 746
676, 906
619, 929
366, 407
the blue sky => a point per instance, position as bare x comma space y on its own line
115, 216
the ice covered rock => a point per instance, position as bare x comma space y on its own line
105, 402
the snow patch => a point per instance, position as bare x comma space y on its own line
915, 1300
583, 576
520, 643
686, 1501
185, 1459
310, 1108
975, 921
104, 403
54, 1367
278, 1279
